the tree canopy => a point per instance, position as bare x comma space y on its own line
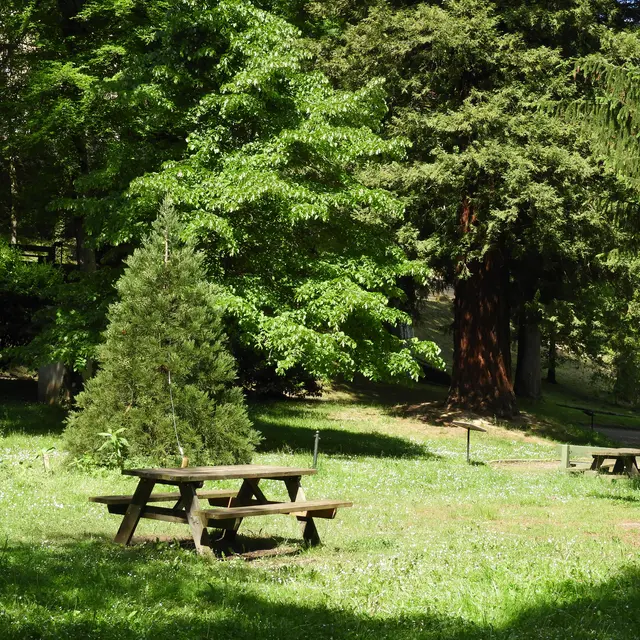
216, 105
334, 160
504, 190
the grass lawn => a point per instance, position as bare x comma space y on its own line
433, 548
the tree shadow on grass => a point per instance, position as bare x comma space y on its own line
427, 403
630, 483
279, 436
30, 418
91, 590
245, 545
614, 498
423, 402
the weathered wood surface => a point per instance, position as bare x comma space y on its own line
231, 472
234, 506
307, 526
468, 426
615, 453
568, 451
249, 494
167, 497
301, 508
153, 513
583, 450
134, 511
625, 461
198, 529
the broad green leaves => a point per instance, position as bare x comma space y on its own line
306, 252
217, 104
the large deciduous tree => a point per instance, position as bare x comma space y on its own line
216, 104
309, 255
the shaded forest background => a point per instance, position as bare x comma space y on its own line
336, 162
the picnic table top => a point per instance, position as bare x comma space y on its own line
228, 472
613, 453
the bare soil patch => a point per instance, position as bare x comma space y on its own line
628, 437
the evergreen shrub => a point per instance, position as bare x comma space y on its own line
164, 345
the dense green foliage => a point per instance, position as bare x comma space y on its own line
332, 159
166, 377
72, 324
25, 289
496, 175
216, 104
610, 109
308, 254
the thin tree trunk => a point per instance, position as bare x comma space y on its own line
13, 195
481, 378
85, 256
528, 382
553, 357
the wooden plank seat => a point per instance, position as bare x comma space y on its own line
229, 517
119, 504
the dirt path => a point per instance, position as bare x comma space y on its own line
629, 437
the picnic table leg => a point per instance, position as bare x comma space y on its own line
631, 467
597, 462
134, 511
247, 491
307, 525
189, 500
619, 466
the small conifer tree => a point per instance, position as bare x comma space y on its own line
165, 374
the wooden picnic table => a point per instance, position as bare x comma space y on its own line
625, 460
231, 506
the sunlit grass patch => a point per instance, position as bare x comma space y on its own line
433, 547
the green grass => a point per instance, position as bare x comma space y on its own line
580, 384
433, 548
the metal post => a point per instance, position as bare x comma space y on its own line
468, 445
315, 449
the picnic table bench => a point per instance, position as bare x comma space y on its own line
231, 506
614, 460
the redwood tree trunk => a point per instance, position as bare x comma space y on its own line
529, 368
481, 379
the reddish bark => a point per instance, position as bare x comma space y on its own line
481, 379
